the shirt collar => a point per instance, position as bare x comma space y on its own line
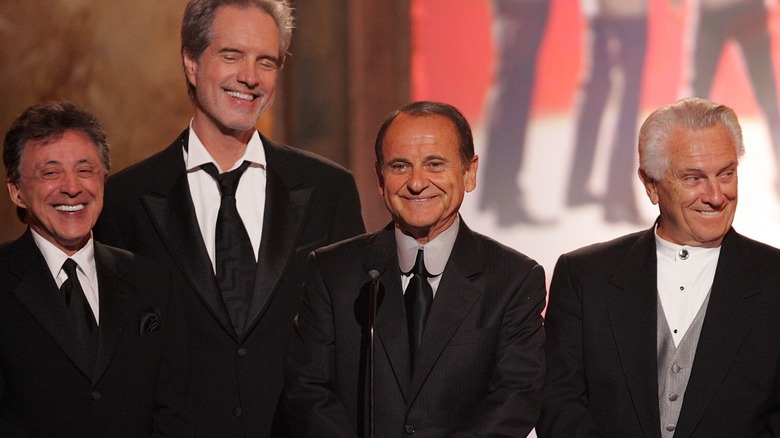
674, 252
55, 257
196, 155
436, 254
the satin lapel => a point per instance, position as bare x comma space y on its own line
633, 313
38, 293
174, 218
285, 213
114, 311
726, 324
391, 316
455, 296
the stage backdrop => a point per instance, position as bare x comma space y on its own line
457, 47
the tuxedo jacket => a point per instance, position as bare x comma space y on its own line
310, 202
479, 369
602, 376
138, 385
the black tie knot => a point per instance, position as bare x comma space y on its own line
228, 181
69, 267
419, 265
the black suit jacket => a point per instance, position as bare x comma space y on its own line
479, 371
602, 377
138, 386
236, 382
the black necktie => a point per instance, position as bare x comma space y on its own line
79, 312
235, 262
418, 298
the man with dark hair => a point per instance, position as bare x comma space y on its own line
458, 328
670, 331
90, 344
233, 213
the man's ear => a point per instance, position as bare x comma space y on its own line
190, 68
651, 186
470, 177
380, 178
15, 194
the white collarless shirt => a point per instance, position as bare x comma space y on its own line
685, 275
250, 195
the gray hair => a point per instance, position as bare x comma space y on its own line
691, 113
199, 18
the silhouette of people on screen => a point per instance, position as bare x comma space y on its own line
745, 22
518, 30
617, 42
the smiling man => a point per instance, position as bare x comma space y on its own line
89, 343
459, 329
233, 213
670, 331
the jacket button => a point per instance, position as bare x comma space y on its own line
237, 412
241, 352
409, 429
95, 395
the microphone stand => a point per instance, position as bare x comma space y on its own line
372, 305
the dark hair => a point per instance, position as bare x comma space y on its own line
427, 109
199, 18
47, 122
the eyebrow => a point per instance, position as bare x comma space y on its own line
241, 52
698, 170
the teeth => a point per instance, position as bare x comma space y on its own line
242, 96
68, 208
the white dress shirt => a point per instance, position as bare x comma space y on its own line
435, 254
86, 271
250, 195
685, 276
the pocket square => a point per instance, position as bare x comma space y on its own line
150, 320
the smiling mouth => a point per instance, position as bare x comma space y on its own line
241, 96
69, 208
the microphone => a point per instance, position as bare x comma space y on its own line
376, 262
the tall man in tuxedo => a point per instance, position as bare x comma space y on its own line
670, 331
90, 342
459, 329
238, 253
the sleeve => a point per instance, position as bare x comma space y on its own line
313, 408
565, 396
513, 403
172, 408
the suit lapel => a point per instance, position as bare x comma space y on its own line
38, 293
455, 296
114, 310
391, 316
726, 323
633, 314
286, 207
173, 215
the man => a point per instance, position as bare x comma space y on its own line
290, 203
518, 29
172, 207
89, 342
618, 38
745, 23
458, 350
670, 331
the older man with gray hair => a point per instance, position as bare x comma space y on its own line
670, 331
233, 213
